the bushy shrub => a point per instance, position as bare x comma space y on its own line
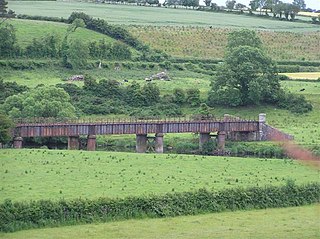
22, 215
295, 103
186, 147
10, 88
42, 18
100, 25
283, 77
288, 68
193, 97
8, 41
47, 46
228, 97
255, 149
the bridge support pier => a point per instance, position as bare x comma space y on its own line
91, 143
17, 142
73, 142
262, 122
203, 138
158, 147
221, 140
141, 143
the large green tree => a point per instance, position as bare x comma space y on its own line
8, 41
247, 76
10, 88
243, 37
4, 12
299, 3
77, 54
40, 102
5, 125
230, 4
3, 8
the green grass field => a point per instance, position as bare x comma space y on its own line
176, 41
182, 41
284, 223
26, 30
197, 42
122, 14
44, 174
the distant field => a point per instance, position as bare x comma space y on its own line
303, 75
53, 174
26, 30
308, 14
284, 223
188, 42
130, 15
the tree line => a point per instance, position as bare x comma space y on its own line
74, 53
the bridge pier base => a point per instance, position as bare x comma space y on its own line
262, 122
141, 143
17, 142
221, 140
73, 142
158, 148
203, 138
91, 143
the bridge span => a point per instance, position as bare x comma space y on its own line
227, 127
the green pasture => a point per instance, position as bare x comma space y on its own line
133, 15
210, 43
27, 30
285, 223
53, 174
55, 75
182, 41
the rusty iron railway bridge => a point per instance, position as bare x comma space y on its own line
227, 127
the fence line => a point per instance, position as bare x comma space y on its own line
191, 119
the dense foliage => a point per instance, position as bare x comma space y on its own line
5, 126
10, 88
112, 97
22, 215
249, 77
100, 25
8, 46
40, 102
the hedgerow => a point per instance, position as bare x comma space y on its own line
100, 25
34, 214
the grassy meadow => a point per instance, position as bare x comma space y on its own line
185, 42
27, 30
35, 174
284, 223
46, 174
133, 15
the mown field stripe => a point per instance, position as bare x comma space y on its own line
291, 223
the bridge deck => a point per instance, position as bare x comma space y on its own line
73, 128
